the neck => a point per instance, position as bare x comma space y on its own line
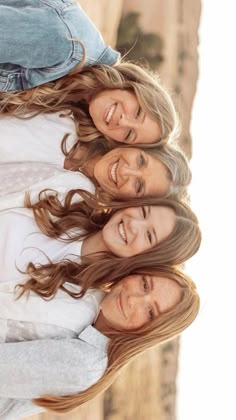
95, 243
102, 325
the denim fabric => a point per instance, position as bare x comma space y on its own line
38, 42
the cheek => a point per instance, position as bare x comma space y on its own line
136, 320
139, 246
106, 234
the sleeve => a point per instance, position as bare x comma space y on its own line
44, 43
37, 30
16, 409
57, 367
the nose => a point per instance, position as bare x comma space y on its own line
126, 122
134, 225
137, 300
127, 171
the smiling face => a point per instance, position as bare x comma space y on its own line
133, 230
118, 115
136, 300
131, 172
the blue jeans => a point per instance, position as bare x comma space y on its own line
38, 42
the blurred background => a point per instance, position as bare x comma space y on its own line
191, 44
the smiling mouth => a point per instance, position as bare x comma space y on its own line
113, 174
122, 232
110, 113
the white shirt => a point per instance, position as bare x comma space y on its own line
12, 191
37, 139
21, 242
31, 158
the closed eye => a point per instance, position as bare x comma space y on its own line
138, 112
141, 161
151, 314
145, 284
139, 186
144, 212
128, 135
149, 236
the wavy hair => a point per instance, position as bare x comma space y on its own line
73, 92
72, 221
126, 346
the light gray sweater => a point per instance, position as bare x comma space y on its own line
60, 365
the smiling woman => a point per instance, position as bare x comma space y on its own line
133, 230
97, 333
49, 52
136, 300
118, 173
128, 172
162, 231
118, 114
135, 107
131, 172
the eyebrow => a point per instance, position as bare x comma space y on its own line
155, 302
146, 165
144, 116
153, 230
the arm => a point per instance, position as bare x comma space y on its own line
11, 409
59, 367
37, 36
44, 43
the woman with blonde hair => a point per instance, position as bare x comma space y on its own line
120, 173
65, 66
73, 349
125, 103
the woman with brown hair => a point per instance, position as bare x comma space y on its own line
99, 241
73, 349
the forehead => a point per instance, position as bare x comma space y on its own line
167, 292
163, 221
157, 177
122, 94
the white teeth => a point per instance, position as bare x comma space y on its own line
122, 232
113, 172
110, 113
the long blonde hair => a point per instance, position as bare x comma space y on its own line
125, 346
71, 94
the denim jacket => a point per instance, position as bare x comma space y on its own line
39, 42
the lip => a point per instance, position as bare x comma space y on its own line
110, 171
109, 114
125, 233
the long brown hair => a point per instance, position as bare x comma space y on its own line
72, 93
77, 221
125, 346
